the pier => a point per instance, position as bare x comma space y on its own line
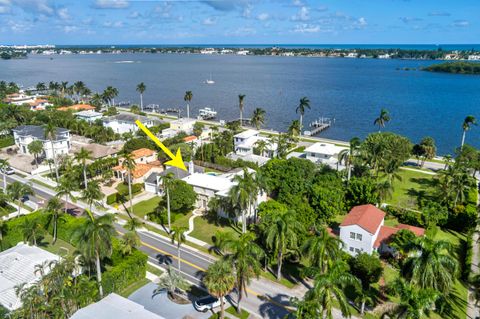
319, 125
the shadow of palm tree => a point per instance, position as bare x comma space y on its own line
164, 259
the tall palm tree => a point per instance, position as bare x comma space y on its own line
177, 234
82, 156
3, 231
50, 132
302, 106
261, 146
92, 194
16, 191
133, 224
294, 129
141, 87
3, 169
258, 117
245, 256
65, 188
244, 194
94, 239
241, 98
322, 249
129, 163
347, 155
382, 119
281, 234
54, 211
188, 98
31, 229
35, 148
431, 264
219, 281
329, 288
167, 181
466, 125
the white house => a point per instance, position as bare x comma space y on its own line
324, 153
153, 183
363, 231
246, 141
17, 266
177, 126
89, 116
124, 123
26, 134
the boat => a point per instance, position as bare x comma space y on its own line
210, 81
206, 114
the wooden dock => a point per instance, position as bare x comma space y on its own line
319, 125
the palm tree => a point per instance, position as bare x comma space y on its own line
177, 234
294, 129
141, 87
415, 302
219, 281
92, 194
65, 188
382, 119
172, 283
281, 234
245, 255
50, 132
322, 248
3, 168
244, 194
129, 163
188, 98
241, 98
82, 157
94, 239
347, 155
130, 241
431, 264
302, 106
54, 210
133, 224
3, 231
16, 191
35, 148
167, 181
328, 288
258, 117
261, 146
467, 124
31, 229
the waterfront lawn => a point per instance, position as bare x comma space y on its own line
205, 228
142, 208
413, 186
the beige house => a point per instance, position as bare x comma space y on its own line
146, 163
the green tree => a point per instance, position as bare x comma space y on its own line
244, 194
31, 229
321, 249
382, 119
241, 98
54, 213
177, 234
92, 194
348, 155
141, 87
328, 200
82, 156
3, 169
188, 98
258, 118
129, 163
466, 125
360, 191
368, 268
16, 191
65, 188
281, 235
172, 283
294, 129
167, 181
50, 132
302, 106
130, 240
219, 281
94, 239
260, 147
197, 129
35, 148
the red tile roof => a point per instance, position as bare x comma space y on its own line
416, 230
189, 138
77, 107
386, 232
367, 217
142, 152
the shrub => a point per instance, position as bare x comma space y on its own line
6, 141
111, 199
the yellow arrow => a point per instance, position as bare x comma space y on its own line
176, 160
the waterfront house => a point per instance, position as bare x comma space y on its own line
246, 142
124, 123
26, 134
146, 162
17, 267
324, 153
363, 231
153, 183
90, 116
77, 108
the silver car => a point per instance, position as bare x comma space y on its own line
207, 303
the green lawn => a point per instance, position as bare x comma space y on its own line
134, 287
36, 181
6, 210
243, 315
147, 206
205, 229
412, 186
154, 270
61, 248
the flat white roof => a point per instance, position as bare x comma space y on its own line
213, 182
182, 121
114, 306
247, 134
324, 148
89, 113
17, 266
250, 143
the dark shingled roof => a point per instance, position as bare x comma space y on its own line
123, 117
36, 131
177, 172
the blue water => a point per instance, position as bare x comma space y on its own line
351, 90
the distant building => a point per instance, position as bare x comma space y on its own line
243, 52
363, 231
77, 108
124, 123
17, 266
384, 56
26, 134
114, 306
474, 57
89, 116
324, 153
183, 125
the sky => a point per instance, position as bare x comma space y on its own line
239, 22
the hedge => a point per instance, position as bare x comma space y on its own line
6, 141
467, 256
111, 199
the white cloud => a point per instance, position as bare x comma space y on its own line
461, 23
35, 6
134, 15
263, 16
242, 31
4, 9
298, 3
439, 14
306, 28
302, 15
113, 24
362, 22
69, 28
111, 4
247, 11
63, 14
407, 20
209, 21
18, 26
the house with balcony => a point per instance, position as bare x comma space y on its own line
26, 134
324, 153
247, 141
89, 115
125, 123
146, 162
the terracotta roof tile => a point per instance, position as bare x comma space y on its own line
368, 217
384, 234
416, 230
190, 138
142, 152
77, 107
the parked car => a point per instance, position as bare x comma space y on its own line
207, 303
8, 170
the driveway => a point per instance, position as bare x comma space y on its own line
162, 306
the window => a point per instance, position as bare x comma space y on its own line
359, 237
357, 250
351, 249
352, 235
